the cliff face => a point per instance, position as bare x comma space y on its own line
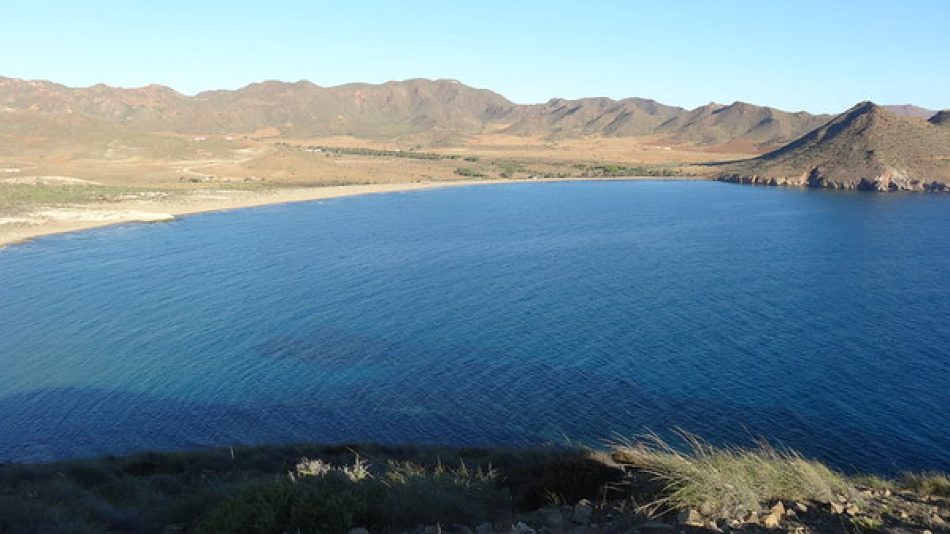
865, 148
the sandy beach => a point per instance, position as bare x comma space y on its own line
152, 208
55, 220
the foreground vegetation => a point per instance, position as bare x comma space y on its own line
19, 197
310, 488
730, 481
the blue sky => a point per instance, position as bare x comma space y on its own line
820, 56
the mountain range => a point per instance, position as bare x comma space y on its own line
874, 147
433, 110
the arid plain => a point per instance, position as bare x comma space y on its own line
46, 194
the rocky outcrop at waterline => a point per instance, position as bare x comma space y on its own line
866, 148
886, 182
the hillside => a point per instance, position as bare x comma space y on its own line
299, 109
414, 490
865, 148
910, 110
593, 116
717, 124
419, 111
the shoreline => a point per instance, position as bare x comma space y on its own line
77, 218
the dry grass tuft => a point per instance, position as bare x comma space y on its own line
933, 484
727, 481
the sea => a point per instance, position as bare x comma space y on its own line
521, 314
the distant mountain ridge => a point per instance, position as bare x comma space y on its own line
717, 123
592, 116
432, 109
864, 148
910, 110
295, 109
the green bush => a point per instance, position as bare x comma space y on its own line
328, 504
469, 172
320, 497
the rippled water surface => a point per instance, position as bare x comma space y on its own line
512, 314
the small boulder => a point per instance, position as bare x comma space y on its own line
778, 509
551, 517
801, 507
690, 517
484, 528
751, 518
583, 512
725, 524
837, 508
521, 528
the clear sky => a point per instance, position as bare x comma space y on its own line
820, 56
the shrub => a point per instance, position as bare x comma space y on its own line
571, 478
329, 504
416, 494
469, 172
320, 497
934, 484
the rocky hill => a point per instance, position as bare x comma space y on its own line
716, 124
291, 109
910, 110
865, 148
430, 111
593, 116
712, 124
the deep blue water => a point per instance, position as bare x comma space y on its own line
504, 314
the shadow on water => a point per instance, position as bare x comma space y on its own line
83, 422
